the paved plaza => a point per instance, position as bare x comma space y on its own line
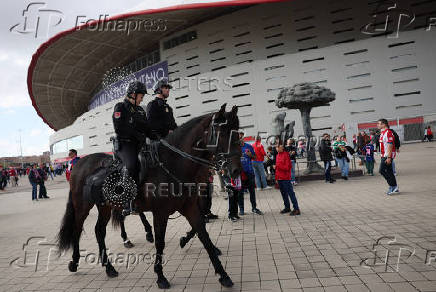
339, 243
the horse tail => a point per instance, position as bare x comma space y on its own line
117, 218
66, 232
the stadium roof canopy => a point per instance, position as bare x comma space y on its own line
65, 70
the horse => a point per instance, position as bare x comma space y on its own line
185, 156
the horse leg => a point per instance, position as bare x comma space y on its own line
147, 227
195, 219
78, 227
104, 215
126, 241
185, 239
160, 225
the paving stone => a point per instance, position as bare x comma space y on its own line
321, 250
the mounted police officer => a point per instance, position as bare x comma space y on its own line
159, 113
131, 128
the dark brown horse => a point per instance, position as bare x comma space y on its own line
185, 157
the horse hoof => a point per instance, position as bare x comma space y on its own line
111, 272
163, 283
149, 237
218, 251
183, 241
128, 244
72, 266
226, 281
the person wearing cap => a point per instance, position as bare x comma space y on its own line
159, 113
131, 128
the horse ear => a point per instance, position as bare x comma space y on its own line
235, 110
220, 114
222, 109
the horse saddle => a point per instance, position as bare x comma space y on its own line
92, 190
110, 184
148, 158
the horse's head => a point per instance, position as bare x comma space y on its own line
224, 139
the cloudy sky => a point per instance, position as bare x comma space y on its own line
16, 50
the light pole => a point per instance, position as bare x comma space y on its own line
21, 150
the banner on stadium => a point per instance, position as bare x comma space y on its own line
149, 76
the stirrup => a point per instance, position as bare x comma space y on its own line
129, 210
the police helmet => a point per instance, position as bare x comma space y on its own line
136, 87
161, 83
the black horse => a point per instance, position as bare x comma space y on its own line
185, 157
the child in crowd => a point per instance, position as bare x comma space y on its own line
283, 169
234, 189
368, 151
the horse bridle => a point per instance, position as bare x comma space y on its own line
221, 160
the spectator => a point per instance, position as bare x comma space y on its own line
270, 160
283, 169
74, 159
14, 176
387, 149
41, 180
48, 170
428, 134
234, 189
5, 175
377, 141
248, 183
292, 150
259, 170
368, 151
325, 153
1, 178
301, 148
341, 156
34, 177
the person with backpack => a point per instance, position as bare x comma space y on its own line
388, 152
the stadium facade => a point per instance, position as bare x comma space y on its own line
379, 64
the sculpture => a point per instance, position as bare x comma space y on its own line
305, 96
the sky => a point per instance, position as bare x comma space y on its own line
17, 115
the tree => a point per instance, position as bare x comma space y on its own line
304, 97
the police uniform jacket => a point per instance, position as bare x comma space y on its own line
130, 122
160, 117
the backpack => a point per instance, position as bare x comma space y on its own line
397, 141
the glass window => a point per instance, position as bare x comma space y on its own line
75, 142
64, 146
60, 147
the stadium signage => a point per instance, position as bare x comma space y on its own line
149, 76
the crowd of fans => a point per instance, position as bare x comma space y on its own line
36, 174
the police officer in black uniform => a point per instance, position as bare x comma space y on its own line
131, 128
159, 113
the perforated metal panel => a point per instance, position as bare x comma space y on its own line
246, 57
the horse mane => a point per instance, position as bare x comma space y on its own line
179, 134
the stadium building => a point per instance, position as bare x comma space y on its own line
377, 56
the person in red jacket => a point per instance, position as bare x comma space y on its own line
259, 169
283, 169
